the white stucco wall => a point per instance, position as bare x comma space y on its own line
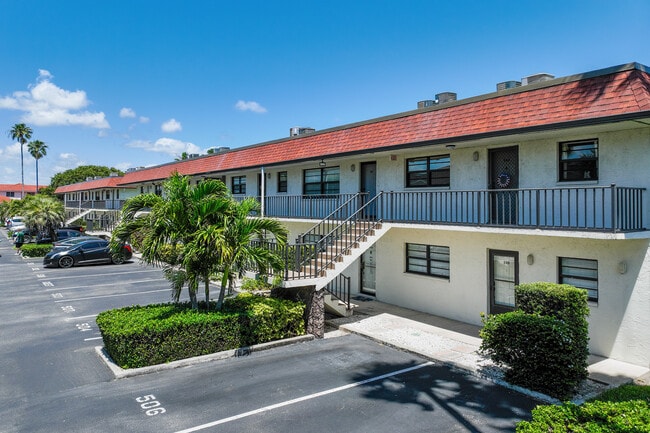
617, 321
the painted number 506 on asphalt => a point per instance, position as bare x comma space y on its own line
150, 405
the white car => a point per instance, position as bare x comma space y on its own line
17, 224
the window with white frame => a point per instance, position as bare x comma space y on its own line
321, 181
430, 260
428, 171
578, 160
581, 273
238, 184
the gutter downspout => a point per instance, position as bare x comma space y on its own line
263, 188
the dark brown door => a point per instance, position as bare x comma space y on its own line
503, 182
369, 186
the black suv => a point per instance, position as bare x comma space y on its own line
61, 234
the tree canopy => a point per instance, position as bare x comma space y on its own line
80, 174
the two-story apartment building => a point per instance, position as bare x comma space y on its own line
97, 200
444, 209
14, 191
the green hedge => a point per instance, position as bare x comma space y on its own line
543, 345
621, 410
139, 336
35, 250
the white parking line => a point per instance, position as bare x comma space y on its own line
92, 338
148, 280
66, 277
300, 399
69, 319
111, 296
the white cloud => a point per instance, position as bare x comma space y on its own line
102, 133
250, 106
44, 74
172, 125
169, 146
46, 104
66, 161
127, 112
144, 119
13, 151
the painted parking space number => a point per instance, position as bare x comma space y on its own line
83, 327
150, 405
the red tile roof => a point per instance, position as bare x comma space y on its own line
599, 96
105, 182
16, 187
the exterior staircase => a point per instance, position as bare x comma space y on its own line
82, 214
321, 254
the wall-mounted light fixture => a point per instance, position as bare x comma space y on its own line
353, 167
322, 163
451, 146
622, 267
530, 259
268, 175
475, 155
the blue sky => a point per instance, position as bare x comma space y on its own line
136, 83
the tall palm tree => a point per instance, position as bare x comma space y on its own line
22, 133
37, 149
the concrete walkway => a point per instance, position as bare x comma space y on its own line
456, 343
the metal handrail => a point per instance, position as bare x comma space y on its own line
335, 215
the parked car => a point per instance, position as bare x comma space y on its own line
16, 223
61, 234
74, 240
87, 252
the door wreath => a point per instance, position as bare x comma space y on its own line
503, 180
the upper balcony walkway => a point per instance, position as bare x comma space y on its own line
609, 209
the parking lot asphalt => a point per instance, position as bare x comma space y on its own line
52, 380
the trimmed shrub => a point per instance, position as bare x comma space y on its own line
35, 250
139, 336
543, 345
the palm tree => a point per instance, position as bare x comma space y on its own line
21, 133
195, 232
37, 149
234, 245
168, 225
43, 212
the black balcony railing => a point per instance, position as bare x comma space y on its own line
595, 208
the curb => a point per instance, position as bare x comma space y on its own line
121, 373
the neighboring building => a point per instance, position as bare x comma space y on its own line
15, 191
97, 200
444, 209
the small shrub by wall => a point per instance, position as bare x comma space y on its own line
543, 345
